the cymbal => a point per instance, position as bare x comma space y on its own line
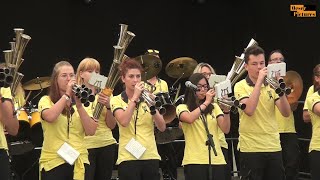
37, 83
151, 64
294, 81
181, 67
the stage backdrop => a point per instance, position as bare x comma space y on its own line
206, 30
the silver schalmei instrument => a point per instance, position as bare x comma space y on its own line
84, 94
114, 75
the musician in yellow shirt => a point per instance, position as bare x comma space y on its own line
201, 119
287, 130
9, 121
207, 70
64, 126
315, 87
138, 157
259, 139
101, 146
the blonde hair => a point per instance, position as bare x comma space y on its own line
87, 64
201, 65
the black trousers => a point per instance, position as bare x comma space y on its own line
139, 170
227, 168
201, 172
290, 155
101, 163
62, 172
261, 166
4, 165
315, 164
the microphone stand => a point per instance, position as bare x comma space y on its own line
175, 91
41, 89
209, 143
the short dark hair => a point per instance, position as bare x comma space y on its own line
129, 64
252, 50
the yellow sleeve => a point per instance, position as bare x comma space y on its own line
239, 91
217, 110
44, 103
181, 108
164, 86
115, 103
312, 100
6, 93
310, 92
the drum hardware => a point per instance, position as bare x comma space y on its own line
151, 65
294, 81
38, 83
169, 135
181, 67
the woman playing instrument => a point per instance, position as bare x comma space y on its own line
197, 113
9, 121
288, 136
313, 106
64, 155
315, 87
138, 157
207, 70
101, 146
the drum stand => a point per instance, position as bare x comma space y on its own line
169, 168
13, 174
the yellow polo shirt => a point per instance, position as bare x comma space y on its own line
259, 132
195, 135
56, 133
6, 93
161, 86
142, 123
103, 136
312, 100
286, 124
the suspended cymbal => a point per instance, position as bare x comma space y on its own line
294, 81
181, 67
37, 83
151, 64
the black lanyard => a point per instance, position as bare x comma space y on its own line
136, 119
69, 119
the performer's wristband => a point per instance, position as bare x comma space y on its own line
67, 97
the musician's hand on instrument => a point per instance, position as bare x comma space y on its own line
262, 74
138, 88
209, 95
77, 101
70, 85
104, 99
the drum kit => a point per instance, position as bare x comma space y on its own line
178, 68
30, 130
